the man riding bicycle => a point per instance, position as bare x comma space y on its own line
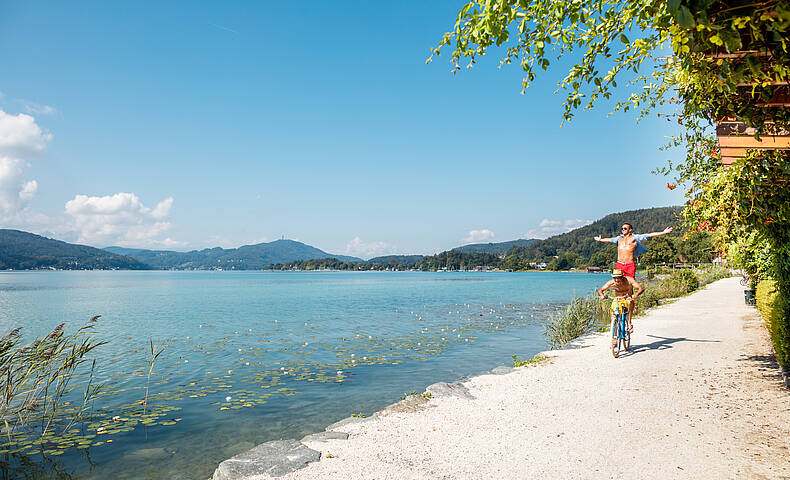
624, 294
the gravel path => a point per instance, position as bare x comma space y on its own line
699, 398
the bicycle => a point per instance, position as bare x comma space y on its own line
744, 280
620, 333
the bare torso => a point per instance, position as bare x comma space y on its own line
626, 247
622, 287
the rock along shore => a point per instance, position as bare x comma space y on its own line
699, 397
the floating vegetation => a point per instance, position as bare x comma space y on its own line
246, 368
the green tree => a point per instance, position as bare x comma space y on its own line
698, 248
627, 40
662, 250
601, 259
564, 261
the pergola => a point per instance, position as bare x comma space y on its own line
736, 137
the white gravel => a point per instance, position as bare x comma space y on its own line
699, 398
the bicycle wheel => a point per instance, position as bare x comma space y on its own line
627, 341
622, 320
616, 339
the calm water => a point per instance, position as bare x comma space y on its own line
255, 356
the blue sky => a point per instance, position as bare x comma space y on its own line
190, 125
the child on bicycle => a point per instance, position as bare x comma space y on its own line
624, 294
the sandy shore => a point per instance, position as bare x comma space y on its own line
698, 398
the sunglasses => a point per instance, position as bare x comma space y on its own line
625, 228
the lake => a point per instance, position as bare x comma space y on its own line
255, 356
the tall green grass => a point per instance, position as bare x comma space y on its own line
583, 315
711, 274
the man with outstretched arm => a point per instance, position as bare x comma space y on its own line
630, 246
626, 289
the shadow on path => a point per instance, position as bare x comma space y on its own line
664, 343
765, 364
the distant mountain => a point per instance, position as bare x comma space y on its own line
397, 259
26, 251
247, 257
500, 247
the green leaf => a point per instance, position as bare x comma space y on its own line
672, 6
684, 18
623, 38
732, 40
753, 65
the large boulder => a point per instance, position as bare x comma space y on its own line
325, 436
272, 459
443, 389
411, 403
502, 370
346, 421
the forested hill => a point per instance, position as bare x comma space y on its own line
579, 245
500, 247
396, 260
247, 257
575, 248
26, 251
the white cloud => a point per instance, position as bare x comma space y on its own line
20, 135
28, 191
356, 247
121, 219
20, 139
547, 228
38, 109
477, 236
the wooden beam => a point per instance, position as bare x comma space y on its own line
739, 54
777, 82
727, 127
733, 152
766, 142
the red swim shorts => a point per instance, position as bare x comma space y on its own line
629, 269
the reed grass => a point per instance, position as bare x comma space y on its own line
35, 377
584, 314
151, 361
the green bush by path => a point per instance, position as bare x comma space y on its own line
711, 274
686, 280
772, 307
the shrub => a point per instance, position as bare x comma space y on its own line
686, 280
649, 298
581, 316
772, 307
536, 360
711, 274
